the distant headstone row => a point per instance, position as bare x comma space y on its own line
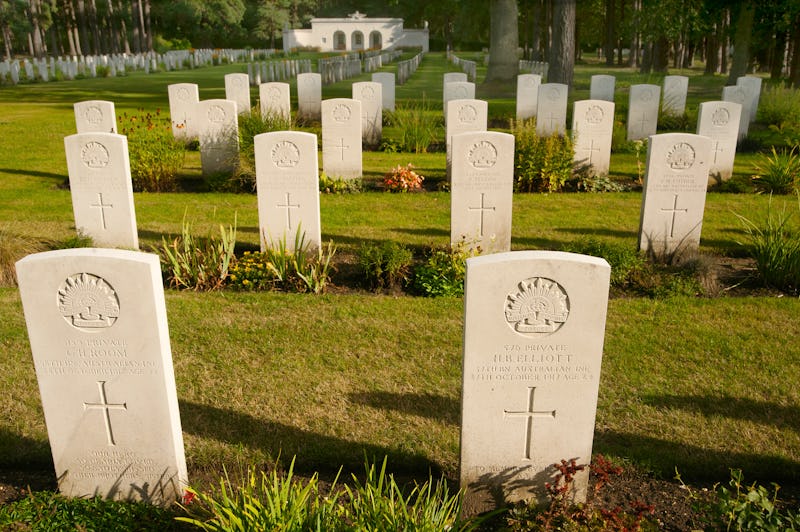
264, 72
69, 68
534, 67
405, 69
470, 68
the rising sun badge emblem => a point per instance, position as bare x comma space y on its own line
88, 302
539, 307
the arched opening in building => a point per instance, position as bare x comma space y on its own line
357, 41
339, 41
375, 40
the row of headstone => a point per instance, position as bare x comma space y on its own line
335, 69
264, 72
375, 60
71, 67
405, 69
534, 67
470, 68
746, 93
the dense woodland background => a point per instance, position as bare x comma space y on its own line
732, 37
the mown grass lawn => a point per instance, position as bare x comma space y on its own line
699, 385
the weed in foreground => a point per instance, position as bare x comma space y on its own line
156, 156
442, 274
385, 265
779, 173
13, 248
541, 164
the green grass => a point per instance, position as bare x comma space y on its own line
701, 385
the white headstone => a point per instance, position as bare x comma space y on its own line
183, 98
719, 121
371, 98
464, 116
551, 115
101, 187
752, 90
674, 194
387, 81
458, 90
592, 127
533, 344
527, 95
287, 181
453, 77
341, 138
218, 131
674, 99
602, 87
738, 94
309, 95
482, 187
237, 89
98, 331
275, 99
95, 116
643, 111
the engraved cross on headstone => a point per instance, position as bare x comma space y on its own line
674, 210
102, 206
591, 149
552, 118
342, 146
105, 406
643, 122
529, 414
288, 206
717, 150
483, 208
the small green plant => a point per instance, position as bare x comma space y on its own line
385, 265
202, 264
674, 122
779, 108
78, 240
417, 124
329, 185
44, 510
774, 243
263, 502
624, 260
779, 173
753, 507
402, 179
156, 156
250, 125
442, 274
541, 164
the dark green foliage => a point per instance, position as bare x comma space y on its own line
624, 260
250, 125
778, 173
46, 511
541, 164
385, 265
442, 274
337, 185
156, 156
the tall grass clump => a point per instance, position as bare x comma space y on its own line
779, 108
774, 243
250, 125
541, 164
778, 173
623, 259
385, 265
263, 502
202, 264
417, 124
13, 248
156, 156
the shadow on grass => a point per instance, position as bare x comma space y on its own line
597, 231
438, 407
314, 452
424, 231
35, 173
694, 463
731, 407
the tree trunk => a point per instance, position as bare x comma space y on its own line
94, 27
778, 56
619, 38
633, 58
536, 37
562, 51
794, 65
660, 55
741, 42
611, 33
36, 30
137, 38
8, 43
81, 12
504, 37
148, 31
712, 52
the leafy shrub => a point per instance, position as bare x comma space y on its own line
661, 281
624, 260
779, 173
442, 274
779, 106
402, 179
250, 125
44, 510
674, 122
279, 268
337, 185
417, 124
775, 245
155, 155
542, 164
385, 265
190, 263
753, 507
